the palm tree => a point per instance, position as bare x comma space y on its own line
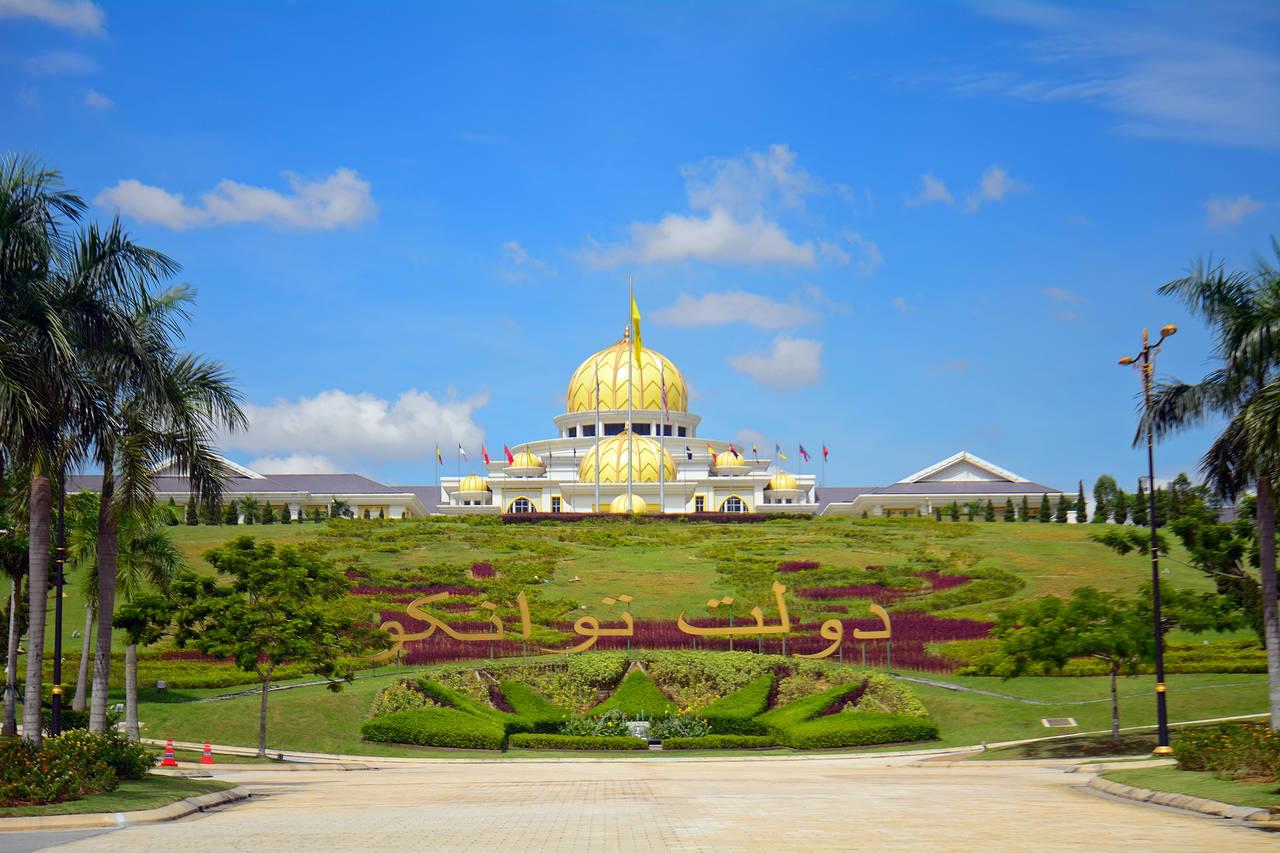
82, 541
249, 509
166, 410
13, 564
1243, 308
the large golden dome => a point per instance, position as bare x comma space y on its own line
614, 452
620, 505
612, 366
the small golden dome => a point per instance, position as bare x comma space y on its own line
729, 459
612, 368
525, 459
614, 453
473, 483
783, 482
618, 505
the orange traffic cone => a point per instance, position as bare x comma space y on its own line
207, 756
168, 760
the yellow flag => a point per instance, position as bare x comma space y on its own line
635, 329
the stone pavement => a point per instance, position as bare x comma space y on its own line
775, 804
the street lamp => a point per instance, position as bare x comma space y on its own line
1146, 358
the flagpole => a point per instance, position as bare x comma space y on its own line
596, 507
631, 382
662, 442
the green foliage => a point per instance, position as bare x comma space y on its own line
535, 712
229, 514
694, 680
1140, 507
735, 713
1025, 515
268, 515
1046, 511
1234, 751
1122, 540
637, 695
954, 511
192, 513
679, 725
442, 727
1064, 505
1082, 508
576, 742
73, 765
609, 724
211, 512
986, 584
719, 742
128, 759
1010, 514
402, 695
864, 729
286, 517
1106, 497
989, 511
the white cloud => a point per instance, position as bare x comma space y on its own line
793, 362
97, 100
295, 463
733, 217
747, 437
955, 365
344, 429
341, 200
57, 63
994, 186
932, 191
868, 253
79, 16
819, 296
518, 264
735, 306
902, 305
1058, 294
1225, 212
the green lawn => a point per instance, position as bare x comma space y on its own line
1200, 784
131, 795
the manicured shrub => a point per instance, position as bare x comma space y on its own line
734, 714
67, 767
857, 729
444, 727
535, 712
128, 759
719, 742
1235, 751
637, 696
575, 742
402, 695
609, 724
680, 725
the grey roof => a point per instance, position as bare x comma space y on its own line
323, 484
429, 495
840, 494
967, 487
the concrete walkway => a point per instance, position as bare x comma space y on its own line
840, 803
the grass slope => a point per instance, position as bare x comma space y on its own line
150, 792
1199, 784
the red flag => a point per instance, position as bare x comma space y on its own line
485, 454
733, 449
711, 450
507, 450
825, 453
804, 453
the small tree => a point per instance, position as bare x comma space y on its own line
211, 512
382, 514
1120, 507
249, 509
1105, 493
1010, 514
1064, 506
229, 514
989, 512
193, 513
268, 514
341, 509
1140, 517
1082, 509
366, 514
1025, 515
278, 609
937, 513
1046, 511
286, 516
317, 515
954, 511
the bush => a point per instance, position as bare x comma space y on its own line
541, 741
860, 729
535, 713
678, 726
609, 724
1239, 751
444, 727
735, 714
719, 742
637, 696
402, 695
128, 759
65, 768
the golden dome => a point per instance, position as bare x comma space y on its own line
614, 453
473, 483
729, 459
525, 459
618, 505
612, 367
783, 482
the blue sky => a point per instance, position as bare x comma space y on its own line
899, 229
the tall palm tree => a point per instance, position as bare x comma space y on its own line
82, 542
13, 565
166, 409
1243, 309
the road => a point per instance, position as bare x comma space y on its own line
837, 803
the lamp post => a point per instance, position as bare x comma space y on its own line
60, 563
1146, 361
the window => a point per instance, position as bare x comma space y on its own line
682, 431
555, 503
521, 505
614, 429
733, 504
699, 504
589, 431
641, 429
573, 432
666, 429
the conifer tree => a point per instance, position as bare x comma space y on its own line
1120, 507
1140, 507
1026, 510
286, 515
1046, 511
366, 513
1082, 508
229, 514
211, 512
937, 513
268, 514
1064, 504
989, 513
192, 518
1010, 514
382, 514
955, 511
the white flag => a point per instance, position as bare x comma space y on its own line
462, 453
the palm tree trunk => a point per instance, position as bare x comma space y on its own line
38, 598
262, 716
106, 552
1115, 705
10, 728
1267, 574
131, 693
77, 703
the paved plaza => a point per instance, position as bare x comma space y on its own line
876, 804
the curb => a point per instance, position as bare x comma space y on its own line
110, 820
1255, 817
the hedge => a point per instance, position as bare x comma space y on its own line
803, 710
734, 714
436, 727
1233, 751
857, 728
637, 695
719, 742
74, 765
544, 741
533, 711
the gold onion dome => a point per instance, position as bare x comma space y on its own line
783, 482
612, 368
618, 505
614, 452
729, 459
473, 483
525, 459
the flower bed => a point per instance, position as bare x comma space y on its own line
74, 765
1248, 751
576, 742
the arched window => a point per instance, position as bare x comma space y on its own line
733, 504
521, 505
